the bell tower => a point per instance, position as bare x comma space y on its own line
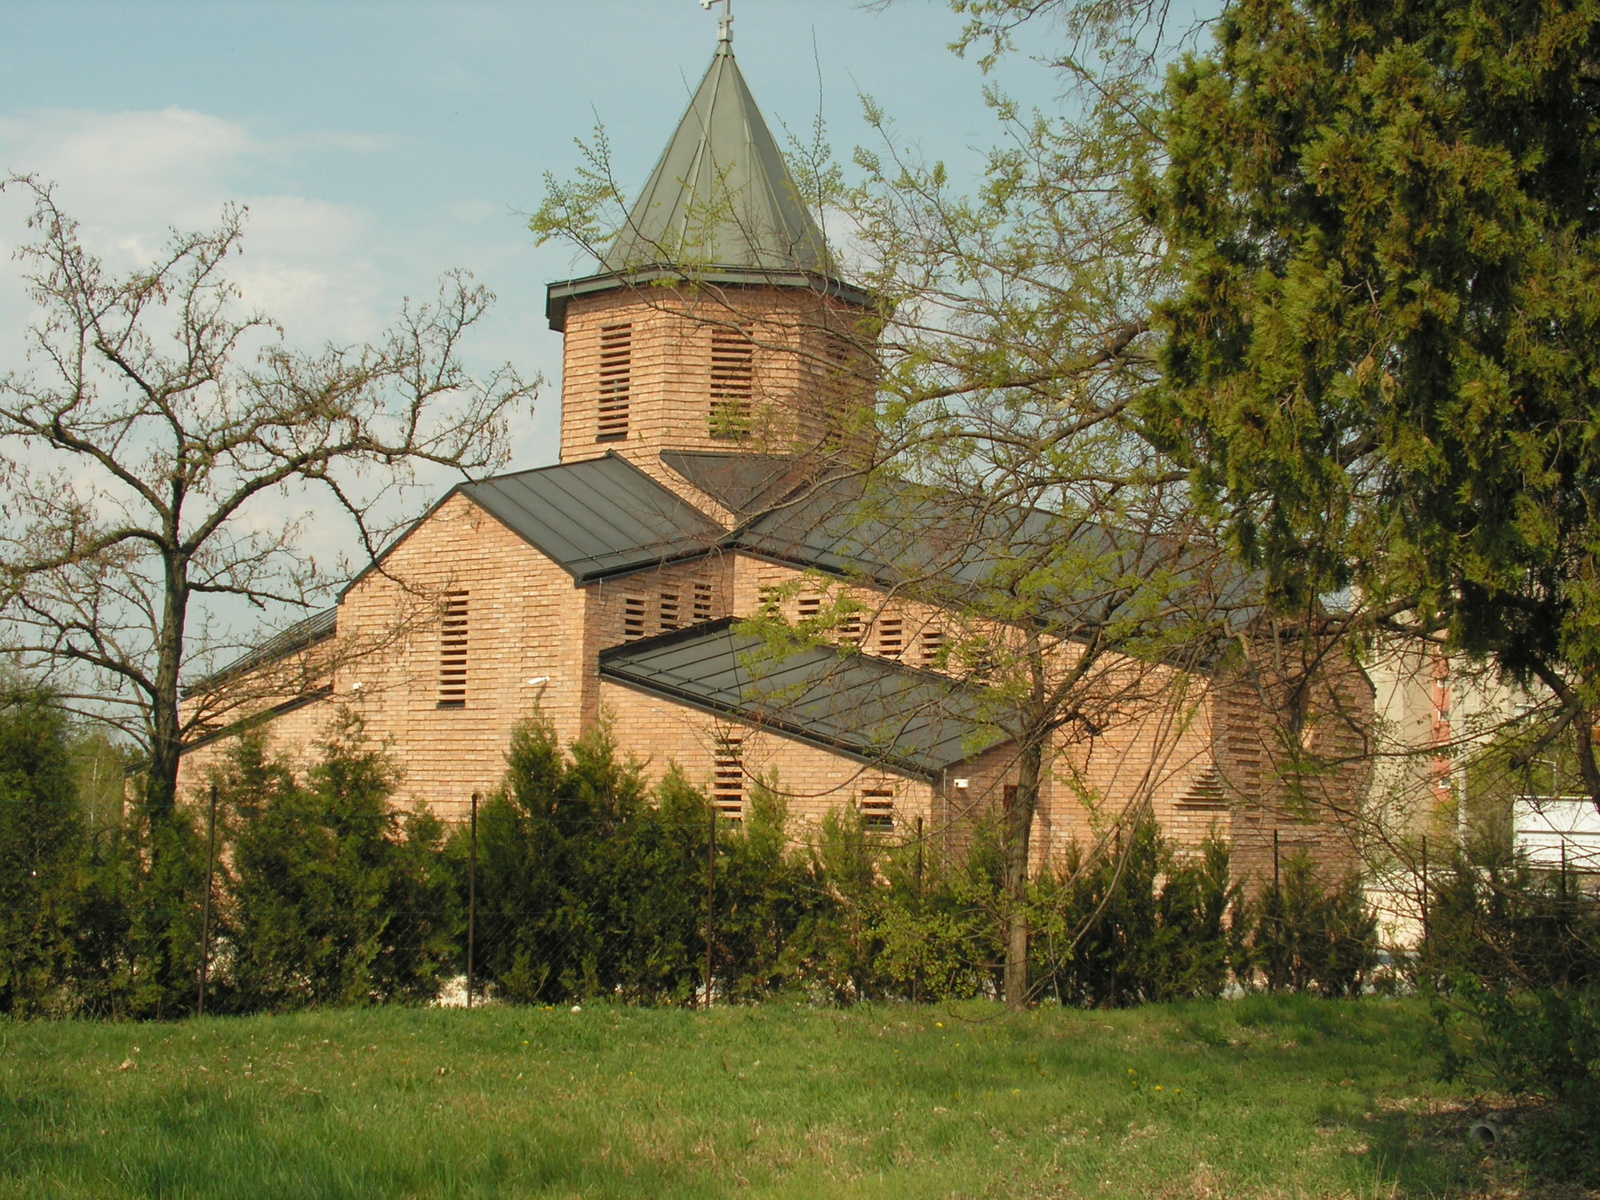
717, 322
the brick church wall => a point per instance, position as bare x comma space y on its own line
525, 620
812, 780
1307, 801
803, 364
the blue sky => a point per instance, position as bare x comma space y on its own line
380, 144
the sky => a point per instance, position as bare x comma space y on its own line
378, 145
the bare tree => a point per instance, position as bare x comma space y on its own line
1010, 486
164, 451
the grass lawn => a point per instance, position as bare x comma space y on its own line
1256, 1097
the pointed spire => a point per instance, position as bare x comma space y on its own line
721, 196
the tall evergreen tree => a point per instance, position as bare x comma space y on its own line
41, 839
1382, 360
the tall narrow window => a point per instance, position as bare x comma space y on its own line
632, 618
616, 369
877, 809
732, 382
891, 636
727, 776
702, 602
453, 652
669, 611
932, 644
836, 389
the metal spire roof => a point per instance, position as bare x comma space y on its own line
721, 196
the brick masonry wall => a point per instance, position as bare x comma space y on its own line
1199, 755
812, 780
294, 733
800, 380
609, 603
525, 620
1198, 758
1312, 798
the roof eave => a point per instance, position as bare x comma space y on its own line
782, 728
559, 294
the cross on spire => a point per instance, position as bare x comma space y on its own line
725, 22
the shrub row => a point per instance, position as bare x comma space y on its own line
582, 882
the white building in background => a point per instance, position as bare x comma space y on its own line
1558, 833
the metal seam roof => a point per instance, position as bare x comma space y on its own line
721, 194
870, 709
302, 635
597, 518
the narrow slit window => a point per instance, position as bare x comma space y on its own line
732, 383
669, 611
616, 370
891, 637
836, 386
632, 618
727, 777
702, 602
932, 644
453, 652
877, 809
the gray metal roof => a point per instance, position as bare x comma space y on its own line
300, 636
721, 196
1069, 574
746, 484
597, 518
867, 708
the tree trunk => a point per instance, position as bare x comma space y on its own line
161, 783
1587, 768
1020, 804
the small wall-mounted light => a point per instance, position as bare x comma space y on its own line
539, 681
356, 687
961, 784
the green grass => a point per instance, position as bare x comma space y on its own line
1290, 1097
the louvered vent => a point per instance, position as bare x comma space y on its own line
702, 602
727, 777
877, 809
732, 382
669, 611
616, 369
932, 644
1206, 792
453, 652
632, 618
891, 637
836, 359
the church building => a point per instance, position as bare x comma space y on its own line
714, 372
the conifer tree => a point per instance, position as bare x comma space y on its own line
1382, 358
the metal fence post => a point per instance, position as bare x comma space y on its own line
1426, 932
711, 897
472, 902
205, 905
916, 982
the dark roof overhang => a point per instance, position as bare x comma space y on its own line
302, 635
558, 294
876, 712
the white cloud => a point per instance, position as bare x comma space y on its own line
130, 177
